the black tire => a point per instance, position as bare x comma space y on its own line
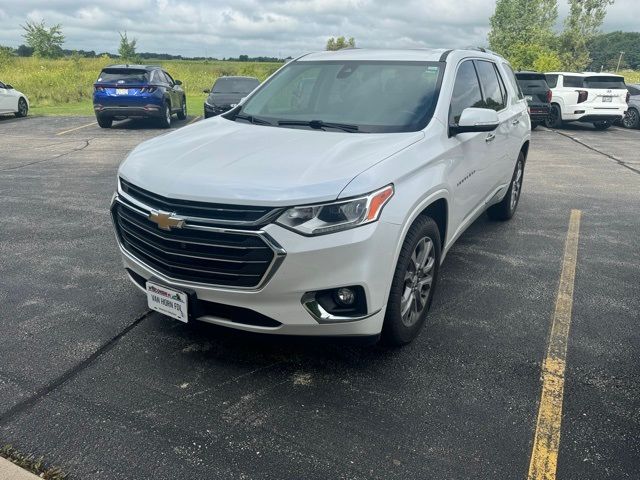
631, 119
507, 207
399, 329
165, 119
23, 108
182, 113
601, 125
554, 119
105, 122
534, 126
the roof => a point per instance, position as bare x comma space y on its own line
585, 74
364, 54
134, 67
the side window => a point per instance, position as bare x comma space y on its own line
552, 80
169, 79
466, 91
511, 78
572, 82
632, 90
493, 97
2, 85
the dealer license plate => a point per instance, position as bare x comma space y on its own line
168, 301
122, 91
607, 99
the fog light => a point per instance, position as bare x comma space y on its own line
345, 296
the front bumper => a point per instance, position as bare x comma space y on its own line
364, 256
212, 110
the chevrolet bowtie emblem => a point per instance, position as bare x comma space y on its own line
165, 220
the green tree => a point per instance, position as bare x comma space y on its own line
580, 27
519, 28
45, 42
340, 43
127, 48
604, 50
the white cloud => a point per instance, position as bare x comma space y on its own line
267, 27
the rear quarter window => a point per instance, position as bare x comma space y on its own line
552, 80
573, 82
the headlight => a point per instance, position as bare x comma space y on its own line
336, 216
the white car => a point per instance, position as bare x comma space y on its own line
13, 101
326, 201
598, 98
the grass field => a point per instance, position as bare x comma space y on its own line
65, 86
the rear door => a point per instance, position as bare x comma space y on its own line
174, 92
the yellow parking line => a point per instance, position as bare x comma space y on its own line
77, 128
544, 456
194, 120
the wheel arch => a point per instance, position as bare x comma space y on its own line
525, 150
438, 210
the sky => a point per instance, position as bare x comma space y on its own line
224, 28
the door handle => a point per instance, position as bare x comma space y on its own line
515, 122
490, 138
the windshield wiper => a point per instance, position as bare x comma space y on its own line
319, 124
251, 119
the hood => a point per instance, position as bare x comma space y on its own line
225, 99
221, 161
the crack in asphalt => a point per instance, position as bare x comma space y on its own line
594, 149
68, 375
79, 149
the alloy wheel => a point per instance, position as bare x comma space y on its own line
631, 119
418, 280
516, 186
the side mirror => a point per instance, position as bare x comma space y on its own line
476, 120
206, 90
8, 87
178, 82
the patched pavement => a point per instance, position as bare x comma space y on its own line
98, 385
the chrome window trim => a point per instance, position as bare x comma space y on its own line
144, 210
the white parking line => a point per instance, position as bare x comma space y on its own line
77, 128
194, 120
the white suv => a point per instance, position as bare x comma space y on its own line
596, 98
326, 201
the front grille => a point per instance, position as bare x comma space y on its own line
233, 259
211, 213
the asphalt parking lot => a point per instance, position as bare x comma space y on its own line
98, 385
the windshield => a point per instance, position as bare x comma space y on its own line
610, 82
123, 75
366, 96
235, 85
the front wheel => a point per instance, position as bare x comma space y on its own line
182, 114
413, 284
23, 108
554, 119
631, 119
601, 125
507, 206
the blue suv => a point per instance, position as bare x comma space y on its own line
137, 91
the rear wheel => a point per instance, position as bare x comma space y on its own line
554, 120
105, 122
23, 108
182, 114
507, 207
165, 119
601, 125
631, 119
413, 284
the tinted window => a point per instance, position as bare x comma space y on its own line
466, 91
123, 75
601, 81
511, 78
552, 80
634, 90
2, 85
375, 96
572, 82
235, 85
491, 90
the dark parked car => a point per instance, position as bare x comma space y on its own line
538, 95
632, 117
143, 91
226, 93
